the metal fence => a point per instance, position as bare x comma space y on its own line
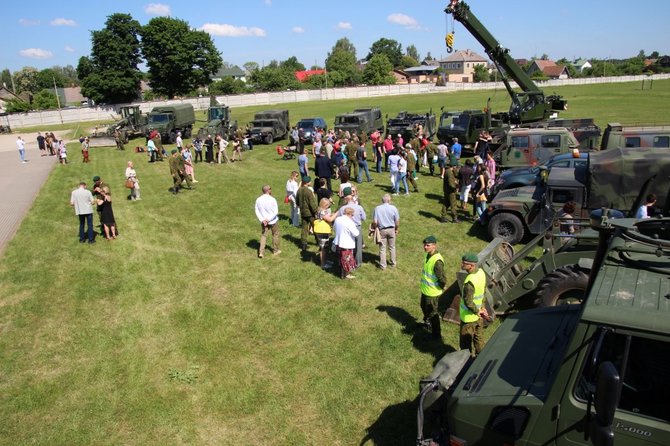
102, 113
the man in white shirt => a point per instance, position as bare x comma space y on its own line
81, 200
267, 213
22, 149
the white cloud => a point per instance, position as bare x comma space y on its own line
63, 22
225, 30
27, 22
298, 29
157, 9
268, 2
402, 19
69, 49
343, 25
36, 53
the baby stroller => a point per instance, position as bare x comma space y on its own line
286, 152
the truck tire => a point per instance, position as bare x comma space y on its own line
268, 139
187, 133
172, 138
563, 286
506, 226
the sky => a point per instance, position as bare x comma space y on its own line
41, 34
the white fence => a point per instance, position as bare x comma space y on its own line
88, 114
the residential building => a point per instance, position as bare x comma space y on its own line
460, 66
581, 64
234, 72
422, 74
303, 75
549, 68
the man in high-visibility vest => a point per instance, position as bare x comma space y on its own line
472, 308
433, 282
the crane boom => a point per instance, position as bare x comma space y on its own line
528, 106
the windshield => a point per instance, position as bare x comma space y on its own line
347, 120
263, 123
306, 124
159, 119
455, 121
217, 113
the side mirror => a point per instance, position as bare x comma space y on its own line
608, 393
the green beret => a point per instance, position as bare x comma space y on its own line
430, 239
173, 151
470, 257
306, 179
346, 191
96, 178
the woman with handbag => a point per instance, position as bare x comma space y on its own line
291, 191
132, 183
323, 228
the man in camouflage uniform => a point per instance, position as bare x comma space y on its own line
449, 187
411, 167
118, 138
350, 150
306, 201
177, 171
431, 150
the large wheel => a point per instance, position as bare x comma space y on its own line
563, 286
187, 133
506, 226
172, 138
268, 138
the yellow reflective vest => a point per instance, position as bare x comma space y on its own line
478, 280
429, 283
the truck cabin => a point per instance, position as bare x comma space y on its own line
218, 113
563, 185
530, 148
264, 123
617, 135
159, 118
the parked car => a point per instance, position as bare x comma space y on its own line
529, 176
309, 125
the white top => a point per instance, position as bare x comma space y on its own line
642, 212
402, 165
180, 142
291, 189
267, 209
20, 144
222, 145
130, 172
345, 232
393, 162
82, 199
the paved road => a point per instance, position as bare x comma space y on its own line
19, 185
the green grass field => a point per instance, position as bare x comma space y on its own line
176, 333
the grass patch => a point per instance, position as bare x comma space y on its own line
177, 334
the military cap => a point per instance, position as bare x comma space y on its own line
306, 179
430, 239
470, 257
346, 191
96, 178
173, 151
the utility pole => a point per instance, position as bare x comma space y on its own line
57, 100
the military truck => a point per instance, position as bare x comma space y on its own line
532, 146
132, 124
270, 125
406, 123
584, 374
617, 135
360, 120
466, 126
219, 121
170, 119
610, 178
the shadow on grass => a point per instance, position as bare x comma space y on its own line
436, 197
426, 214
395, 425
479, 231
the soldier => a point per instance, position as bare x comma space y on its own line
471, 308
431, 152
433, 282
350, 150
306, 201
118, 138
449, 187
176, 164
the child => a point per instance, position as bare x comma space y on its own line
62, 151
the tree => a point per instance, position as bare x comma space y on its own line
6, 79
17, 106
480, 73
274, 78
45, 100
292, 64
250, 67
228, 85
342, 68
68, 73
110, 74
345, 45
389, 47
378, 71
641, 55
654, 55
25, 80
179, 59
47, 77
408, 61
412, 52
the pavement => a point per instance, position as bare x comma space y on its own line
19, 183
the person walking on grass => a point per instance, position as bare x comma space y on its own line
267, 213
81, 199
387, 220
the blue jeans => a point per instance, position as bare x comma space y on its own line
363, 165
88, 218
22, 154
380, 159
403, 178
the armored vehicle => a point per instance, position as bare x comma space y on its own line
533, 146
529, 176
610, 178
132, 124
406, 124
309, 126
617, 135
360, 120
584, 374
269, 125
219, 121
466, 126
168, 120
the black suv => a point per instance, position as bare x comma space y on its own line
309, 125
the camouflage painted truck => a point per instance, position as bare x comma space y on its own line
168, 120
269, 125
610, 178
360, 120
405, 124
617, 135
589, 374
219, 121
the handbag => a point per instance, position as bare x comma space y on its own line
321, 226
286, 200
130, 183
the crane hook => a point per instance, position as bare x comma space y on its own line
449, 40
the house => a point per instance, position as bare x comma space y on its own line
422, 74
581, 64
302, 76
234, 72
70, 96
400, 77
549, 68
460, 66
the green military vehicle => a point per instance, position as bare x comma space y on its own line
617, 135
406, 124
360, 120
132, 125
610, 179
270, 125
584, 374
168, 120
219, 121
532, 146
